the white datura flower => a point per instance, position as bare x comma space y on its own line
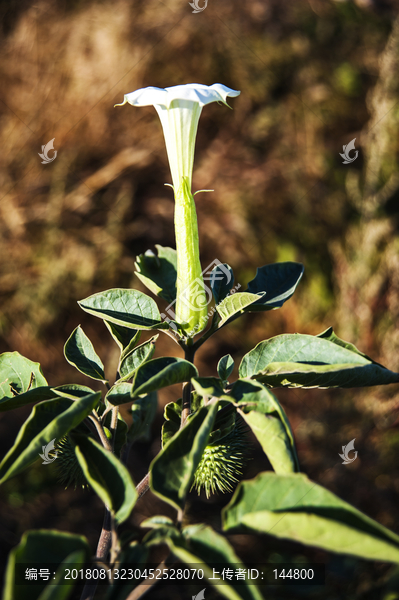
179, 109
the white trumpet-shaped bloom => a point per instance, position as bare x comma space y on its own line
179, 109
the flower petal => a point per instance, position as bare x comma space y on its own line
148, 96
197, 92
191, 92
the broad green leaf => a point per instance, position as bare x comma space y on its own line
156, 521
135, 555
123, 336
208, 386
120, 393
269, 423
109, 478
172, 415
34, 395
234, 304
72, 391
329, 335
223, 425
161, 372
48, 420
129, 308
222, 280
225, 367
295, 508
201, 545
48, 547
278, 281
121, 431
80, 353
136, 357
272, 436
159, 273
172, 471
297, 360
61, 588
18, 375
143, 411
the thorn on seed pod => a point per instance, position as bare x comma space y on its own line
69, 469
222, 463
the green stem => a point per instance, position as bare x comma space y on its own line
101, 433
189, 353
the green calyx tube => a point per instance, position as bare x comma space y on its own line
191, 298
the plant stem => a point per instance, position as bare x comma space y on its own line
108, 537
143, 486
103, 546
101, 433
143, 588
189, 352
114, 424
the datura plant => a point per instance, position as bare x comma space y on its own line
208, 434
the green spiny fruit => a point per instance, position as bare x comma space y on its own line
70, 471
222, 462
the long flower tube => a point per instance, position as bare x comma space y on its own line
179, 109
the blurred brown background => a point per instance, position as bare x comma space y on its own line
313, 75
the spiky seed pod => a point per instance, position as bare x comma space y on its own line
70, 471
223, 462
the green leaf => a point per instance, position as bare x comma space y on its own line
136, 357
18, 375
278, 281
123, 336
208, 386
143, 411
172, 471
172, 415
72, 391
159, 273
34, 395
329, 335
225, 367
48, 420
295, 508
45, 546
120, 393
235, 304
222, 280
269, 423
80, 353
60, 588
161, 372
120, 433
201, 545
109, 478
156, 521
296, 360
129, 308
135, 555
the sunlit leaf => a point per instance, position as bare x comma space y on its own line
295, 508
